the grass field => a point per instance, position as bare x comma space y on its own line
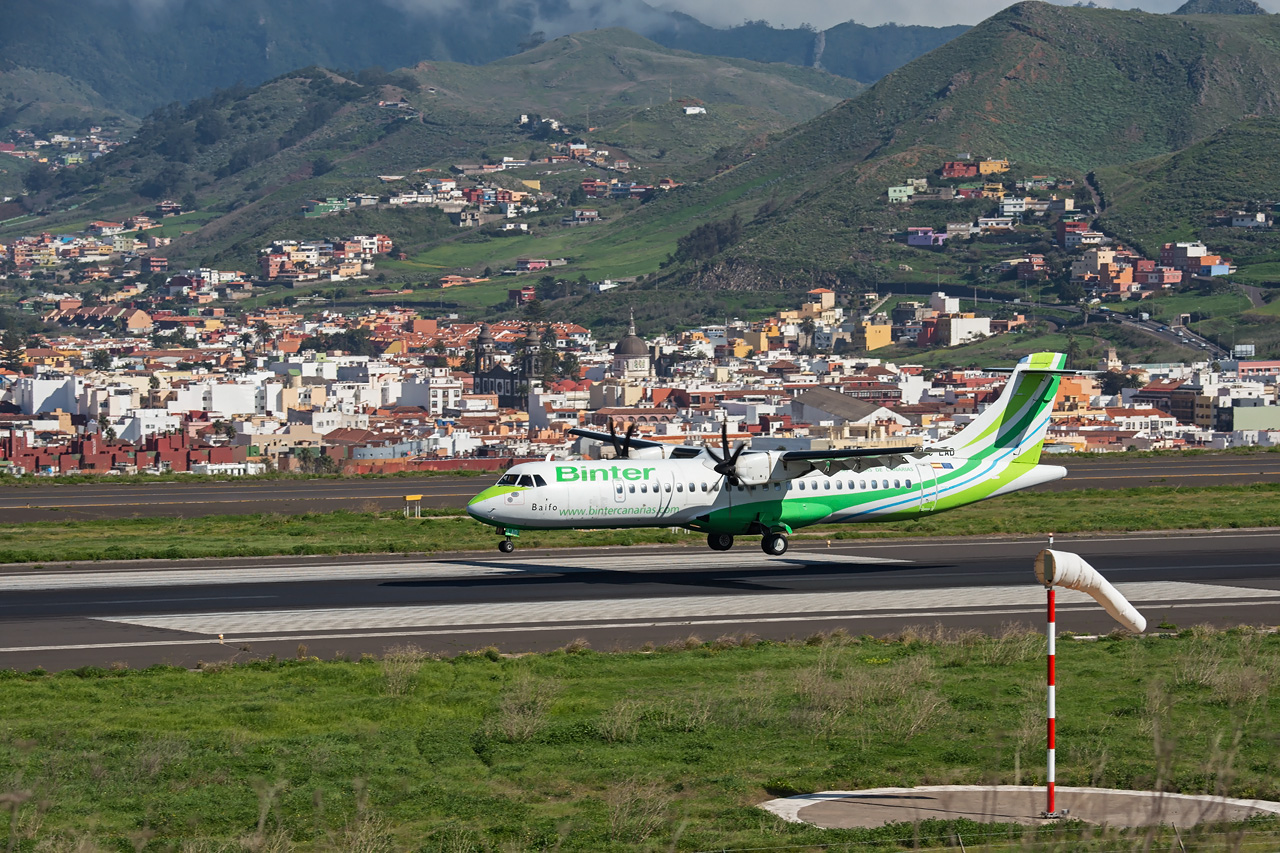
668, 749
1155, 508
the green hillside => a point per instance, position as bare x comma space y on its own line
1186, 195
64, 63
1060, 90
256, 156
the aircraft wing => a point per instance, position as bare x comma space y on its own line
854, 459
609, 439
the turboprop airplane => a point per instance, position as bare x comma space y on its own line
770, 493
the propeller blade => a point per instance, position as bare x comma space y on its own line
626, 439
613, 439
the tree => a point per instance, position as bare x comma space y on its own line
1073, 349
13, 354
1113, 382
101, 360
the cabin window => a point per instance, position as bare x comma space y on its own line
537, 478
508, 480
826, 484
862, 484
526, 481
668, 485
897, 484
790, 485
908, 482
631, 488
777, 487
802, 485
644, 488
679, 487
839, 485
618, 488
704, 487
853, 485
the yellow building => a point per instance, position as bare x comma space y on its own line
758, 341
868, 336
995, 192
992, 167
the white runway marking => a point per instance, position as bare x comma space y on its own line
673, 609
636, 561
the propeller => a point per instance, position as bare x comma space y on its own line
727, 465
621, 450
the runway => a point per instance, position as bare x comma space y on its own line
48, 501
144, 613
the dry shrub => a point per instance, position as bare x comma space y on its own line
162, 753
621, 723
1237, 686
276, 841
58, 843
523, 708
1199, 668
897, 699
693, 641
680, 715
576, 647
1015, 643
637, 810
369, 834
400, 668
915, 714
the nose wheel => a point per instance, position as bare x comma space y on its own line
719, 541
773, 544
506, 546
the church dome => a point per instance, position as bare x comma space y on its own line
631, 345
485, 338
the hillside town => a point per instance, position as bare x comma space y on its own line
389, 390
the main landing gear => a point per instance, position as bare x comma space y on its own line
773, 544
720, 541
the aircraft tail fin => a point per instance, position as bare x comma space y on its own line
1014, 426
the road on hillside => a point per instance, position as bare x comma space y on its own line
51, 502
144, 613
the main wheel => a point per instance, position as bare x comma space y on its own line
773, 544
720, 541
506, 546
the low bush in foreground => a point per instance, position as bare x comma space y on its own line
669, 749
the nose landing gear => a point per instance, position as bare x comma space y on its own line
506, 546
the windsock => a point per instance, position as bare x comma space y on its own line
1063, 569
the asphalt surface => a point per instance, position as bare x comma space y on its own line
50, 502
143, 613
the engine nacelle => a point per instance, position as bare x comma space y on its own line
755, 469
649, 453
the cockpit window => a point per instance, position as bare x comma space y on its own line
508, 480
537, 478
526, 480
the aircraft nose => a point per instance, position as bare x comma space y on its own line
483, 505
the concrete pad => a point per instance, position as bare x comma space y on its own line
1010, 804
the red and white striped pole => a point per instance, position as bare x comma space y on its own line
1049, 778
